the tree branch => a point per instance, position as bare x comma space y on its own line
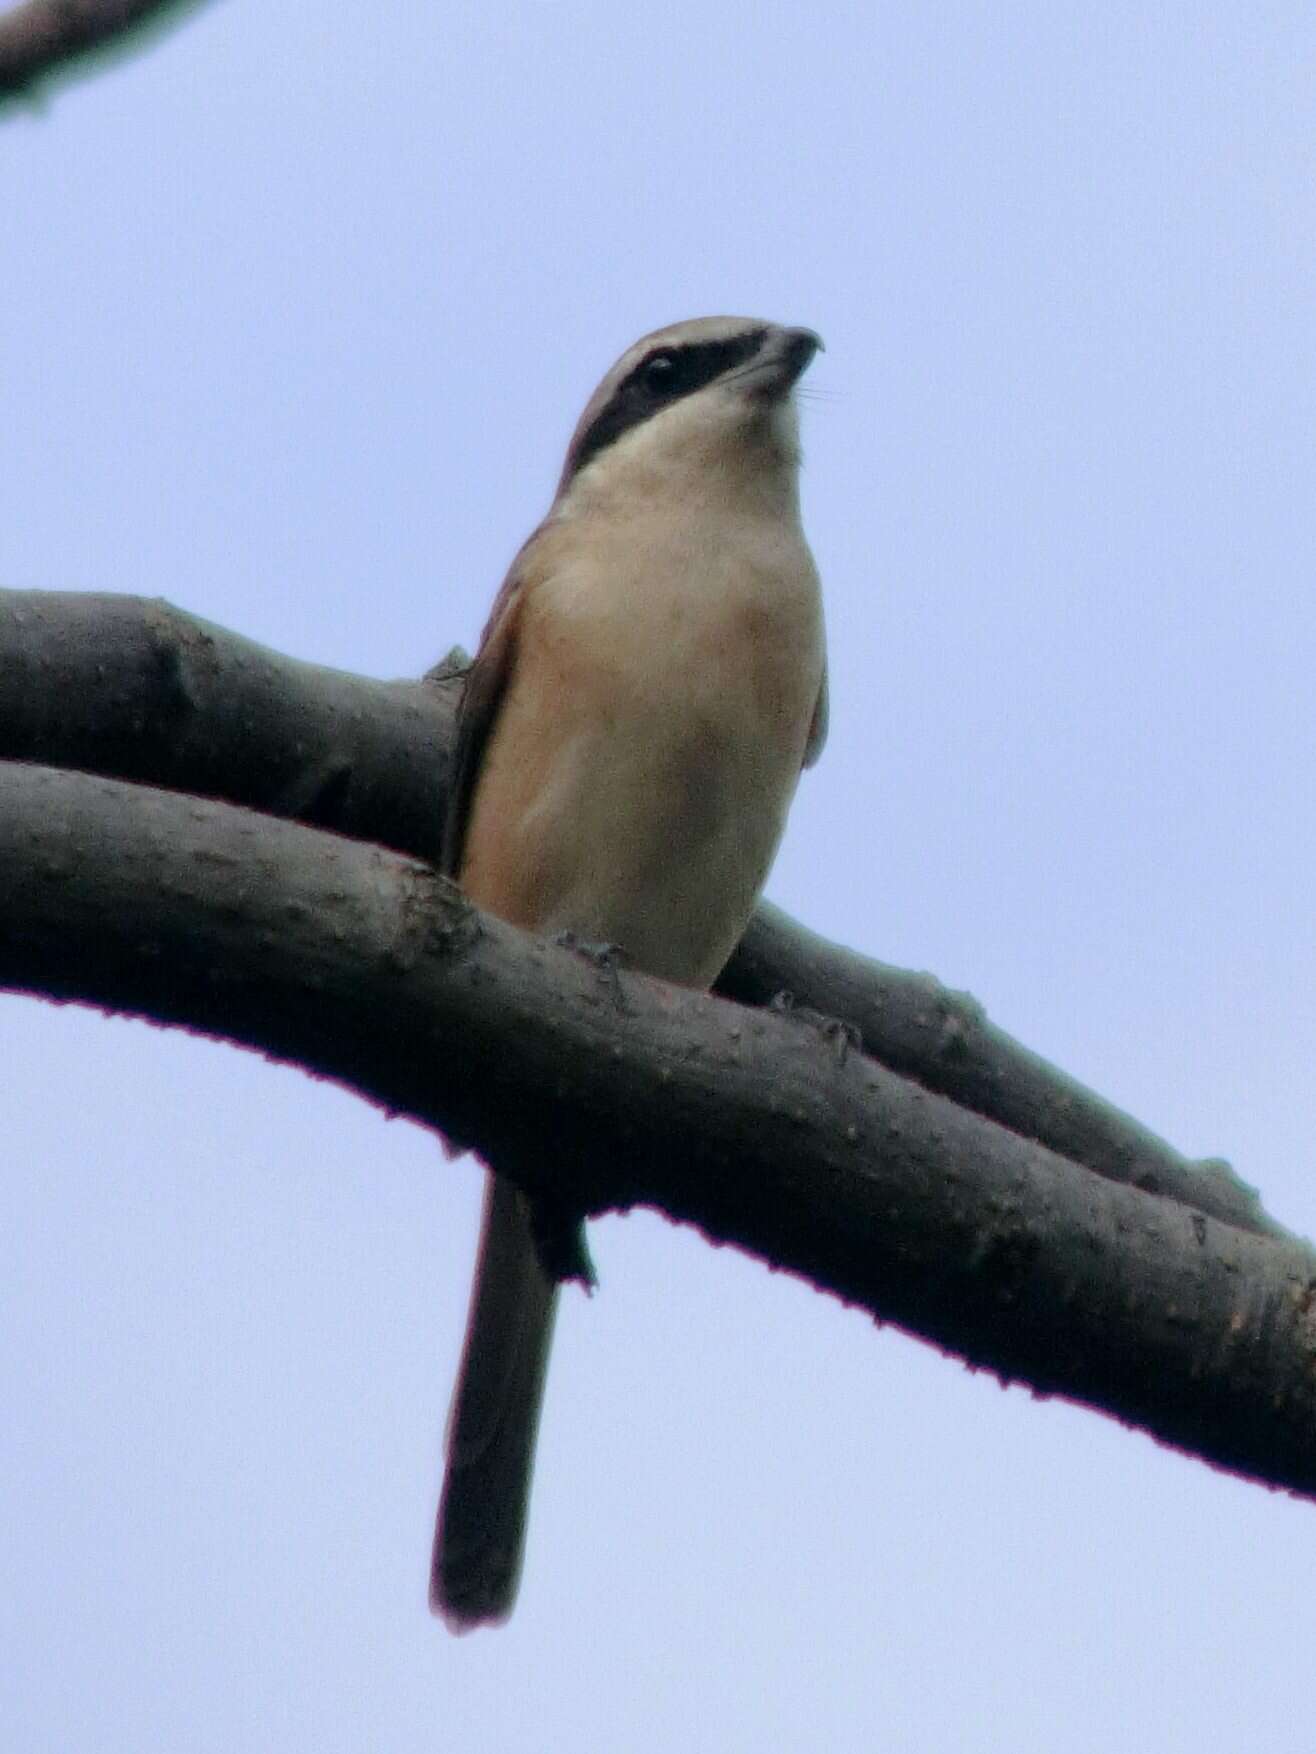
43, 37
368, 968
137, 690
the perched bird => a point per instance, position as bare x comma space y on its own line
651, 680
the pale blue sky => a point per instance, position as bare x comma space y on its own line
296, 314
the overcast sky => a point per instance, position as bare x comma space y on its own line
297, 310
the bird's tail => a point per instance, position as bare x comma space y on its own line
480, 1534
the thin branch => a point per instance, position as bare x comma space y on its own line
136, 689
44, 37
615, 1090
946, 1041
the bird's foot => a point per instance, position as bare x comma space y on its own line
609, 959
842, 1037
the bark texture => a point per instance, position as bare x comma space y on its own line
136, 689
761, 1128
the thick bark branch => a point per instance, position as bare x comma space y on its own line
43, 37
613, 1090
137, 690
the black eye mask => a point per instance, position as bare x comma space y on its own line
662, 377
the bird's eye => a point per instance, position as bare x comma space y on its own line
659, 372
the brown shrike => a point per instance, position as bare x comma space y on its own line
650, 682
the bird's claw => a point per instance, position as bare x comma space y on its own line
609, 959
843, 1038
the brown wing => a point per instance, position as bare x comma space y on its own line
813, 746
486, 684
